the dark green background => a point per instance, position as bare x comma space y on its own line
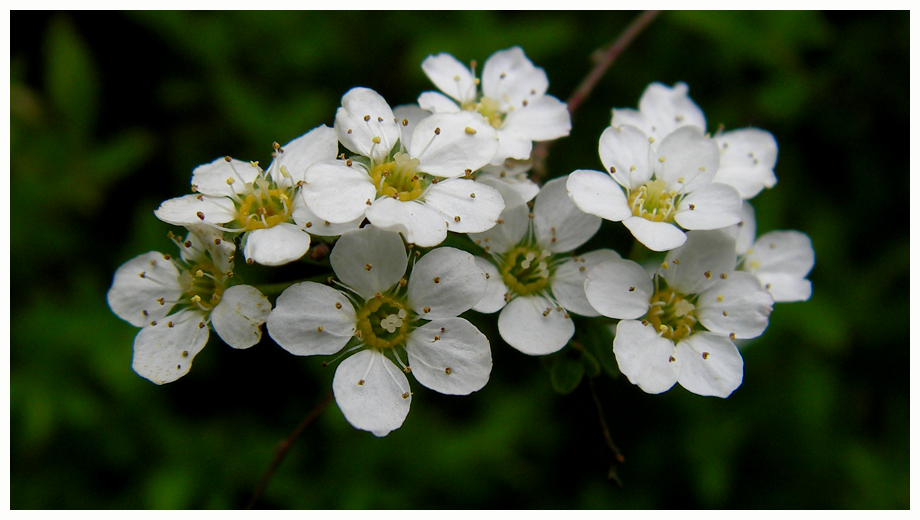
110, 113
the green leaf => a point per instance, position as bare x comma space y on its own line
596, 336
566, 374
71, 77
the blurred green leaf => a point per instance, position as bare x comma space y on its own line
71, 78
566, 374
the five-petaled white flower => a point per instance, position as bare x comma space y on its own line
678, 326
512, 99
406, 182
748, 155
175, 299
264, 205
388, 315
666, 189
531, 281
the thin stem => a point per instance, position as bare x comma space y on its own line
610, 444
604, 60
283, 448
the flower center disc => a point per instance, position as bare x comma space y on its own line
488, 107
264, 208
526, 270
383, 322
671, 314
398, 179
652, 202
203, 284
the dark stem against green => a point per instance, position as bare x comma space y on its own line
606, 431
604, 59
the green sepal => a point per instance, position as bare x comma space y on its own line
566, 374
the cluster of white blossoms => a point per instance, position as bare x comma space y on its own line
385, 185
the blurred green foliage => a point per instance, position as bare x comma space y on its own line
110, 113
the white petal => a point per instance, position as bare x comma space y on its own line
714, 206
568, 281
785, 287
619, 289
407, 117
336, 192
511, 225
310, 319
596, 193
509, 77
522, 325
369, 260
788, 252
624, 152
239, 316
709, 365
446, 281
163, 352
363, 116
450, 356
418, 223
745, 231
645, 358
319, 144
191, 210
670, 108
542, 119
706, 257
657, 236
278, 245
511, 145
204, 241
449, 145
437, 103
212, 178
558, 224
371, 392
465, 205
316, 226
514, 174
139, 284
736, 307
494, 297
450, 76
748, 159
631, 116
686, 160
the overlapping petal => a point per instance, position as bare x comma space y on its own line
450, 356
371, 392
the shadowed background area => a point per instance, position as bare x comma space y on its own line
111, 112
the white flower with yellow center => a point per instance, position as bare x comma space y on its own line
678, 325
657, 193
511, 96
174, 300
781, 260
530, 278
748, 155
382, 316
404, 182
264, 206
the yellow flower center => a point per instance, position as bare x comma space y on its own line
383, 322
526, 269
671, 314
652, 202
264, 206
203, 283
488, 107
399, 178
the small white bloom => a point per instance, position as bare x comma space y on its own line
265, 206
678, 325
410, 183
531, 280
779, 259
748, 155
386, 315
513, 173
512, 98
667, 189
174, 300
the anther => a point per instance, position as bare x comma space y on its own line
153, 323
437, 279
708, 274
675, 262
426, 310
349, 131
367, 267
447, 370
664, 265
661, 160
170, 324
705, 355
379, 119
375, 140
308, 225
437, 337
228, 158
437, 131
200, 215
185, 353
367, 118
319, 329
405, 122
472, 195
671, 359
525, 103
360, 382
692, 207
719, 298
201, 325
631, 289
723, 276
405, 395
338, 305
725, 313
731, 336
469, 130
680, 179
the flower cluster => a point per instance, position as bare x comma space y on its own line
384, 186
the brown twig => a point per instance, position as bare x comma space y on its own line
604, 60
283, 448
610, 444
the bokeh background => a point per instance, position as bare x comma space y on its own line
110, 112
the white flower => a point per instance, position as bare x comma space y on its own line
779, 259
264, 205
678, 326
530, 279
406, 183
512, 98
666, 190
174, 300
513, 173
748, 154
388, 315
